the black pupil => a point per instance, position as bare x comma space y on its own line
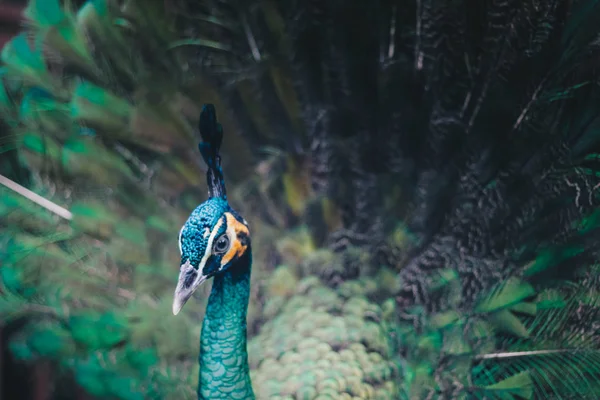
222, 243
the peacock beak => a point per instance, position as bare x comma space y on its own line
189, 280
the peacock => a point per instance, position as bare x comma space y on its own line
420, 176
215, 242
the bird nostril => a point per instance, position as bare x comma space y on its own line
190, 277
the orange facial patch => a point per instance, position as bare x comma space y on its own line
234, 227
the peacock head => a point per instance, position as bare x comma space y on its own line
212, 239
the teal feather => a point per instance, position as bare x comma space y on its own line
224, 371
45, 13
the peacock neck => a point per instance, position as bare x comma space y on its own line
224, 371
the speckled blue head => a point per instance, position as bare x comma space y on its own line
210, 241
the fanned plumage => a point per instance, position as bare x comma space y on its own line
429, 202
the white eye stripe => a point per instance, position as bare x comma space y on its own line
231, 234
209, 245
179, 240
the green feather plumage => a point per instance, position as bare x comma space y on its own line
102, 101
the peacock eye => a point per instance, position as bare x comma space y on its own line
222, 244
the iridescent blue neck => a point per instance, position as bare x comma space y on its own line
224, 370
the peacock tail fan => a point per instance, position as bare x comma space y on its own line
420, 178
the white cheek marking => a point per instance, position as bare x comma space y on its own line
179, 240
206, 232
232, 236
209, 245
